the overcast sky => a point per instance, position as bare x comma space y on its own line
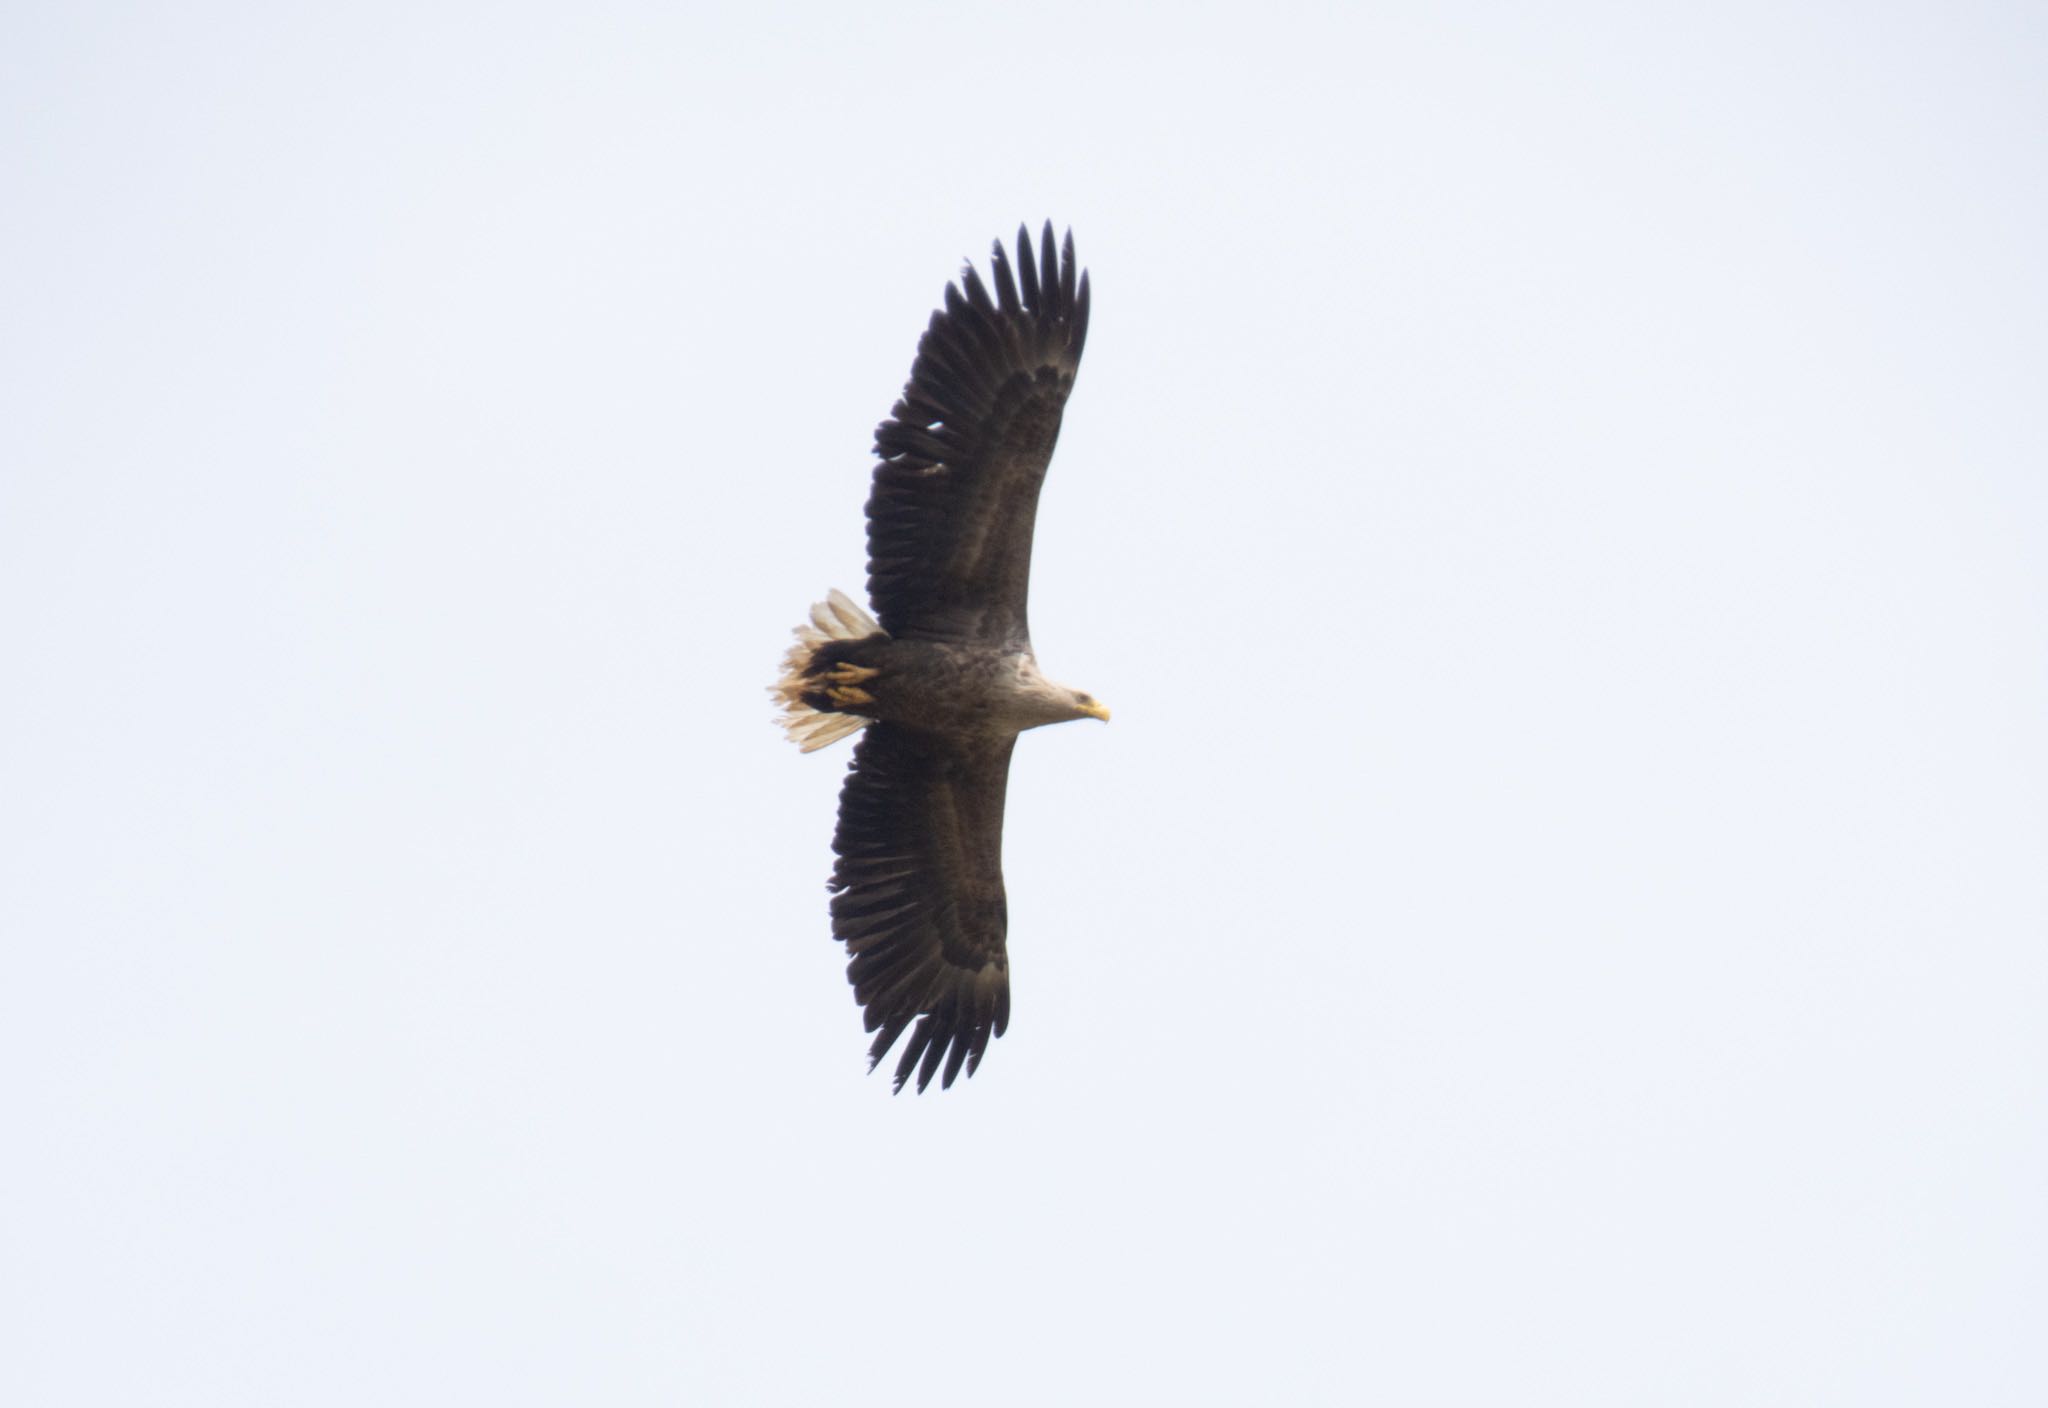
1557, 498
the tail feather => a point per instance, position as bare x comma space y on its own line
837, 617
840, 617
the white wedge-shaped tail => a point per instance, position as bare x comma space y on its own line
837, 617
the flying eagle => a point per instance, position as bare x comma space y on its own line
942, 676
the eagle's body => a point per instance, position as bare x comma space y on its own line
961, 690
946, 679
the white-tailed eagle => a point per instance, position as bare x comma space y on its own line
942, 676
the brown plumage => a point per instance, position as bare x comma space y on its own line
946, 679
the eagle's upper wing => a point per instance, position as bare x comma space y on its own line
965, 450
918, 895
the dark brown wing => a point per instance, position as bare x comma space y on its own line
965, 450
918, 895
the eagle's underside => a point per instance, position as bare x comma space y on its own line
942, 677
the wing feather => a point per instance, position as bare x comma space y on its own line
965, 450
918, 896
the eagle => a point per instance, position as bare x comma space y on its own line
941, 676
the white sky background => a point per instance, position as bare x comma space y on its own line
1557, 498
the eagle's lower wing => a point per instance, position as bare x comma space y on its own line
918, 895
965, 450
